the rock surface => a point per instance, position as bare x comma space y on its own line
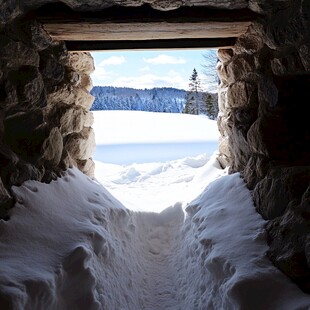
44, 103
264, 128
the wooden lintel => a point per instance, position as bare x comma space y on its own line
144, 23
150, 44
144, 31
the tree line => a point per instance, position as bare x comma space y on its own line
199, 102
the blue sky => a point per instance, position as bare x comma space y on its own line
148, 69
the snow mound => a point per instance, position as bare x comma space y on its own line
72, 245
195, 162
224, 265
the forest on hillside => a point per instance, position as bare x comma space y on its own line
165, 99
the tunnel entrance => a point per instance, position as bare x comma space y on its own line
147, 134
154, 82
263, 47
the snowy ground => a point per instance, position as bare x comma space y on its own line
154, 186
72, 245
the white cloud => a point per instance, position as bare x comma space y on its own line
99, 74
163, 59
145, 69
150, 80
113, 61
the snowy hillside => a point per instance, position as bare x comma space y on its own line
154, 100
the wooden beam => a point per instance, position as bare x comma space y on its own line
150, 44
143, 23
144, 31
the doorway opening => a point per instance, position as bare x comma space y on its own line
155, 123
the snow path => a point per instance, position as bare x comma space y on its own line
71, 245
159, 236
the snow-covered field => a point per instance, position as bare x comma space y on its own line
125, 137
142, 185
72, 245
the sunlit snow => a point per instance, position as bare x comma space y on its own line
71, 244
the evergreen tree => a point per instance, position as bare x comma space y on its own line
211, 105
194, 101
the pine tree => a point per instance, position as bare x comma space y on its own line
211, 106
194, 102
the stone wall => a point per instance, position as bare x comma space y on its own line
265, 132
45, 123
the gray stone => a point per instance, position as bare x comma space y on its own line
248, 44
25, 56
270, 197
52, 148
222, 73
239, 68
267, 93
25, 171
239, 94
81, 62
304, 53
288, 64
40, 39
222, 97
25, 86
87, 167
24, 133
72, 119
225, 55
81, 146
239, 150
83, 98
89, 119
61, 93
86, 82
285, 29
164, 5
6, 201
10, 10
51, 69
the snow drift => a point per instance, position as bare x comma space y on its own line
71, 245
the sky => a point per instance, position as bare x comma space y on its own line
148, 69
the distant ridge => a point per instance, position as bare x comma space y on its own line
165, 99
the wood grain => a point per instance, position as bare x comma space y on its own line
144, 31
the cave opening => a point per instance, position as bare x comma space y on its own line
156, 82
153, 108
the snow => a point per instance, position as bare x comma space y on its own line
115, 127
186, 236
167, 183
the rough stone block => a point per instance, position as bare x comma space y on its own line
81, 146
304, 53
81, 62
26, 86
87, 167
72, 119
89, 119
248, 44
239, 68
225, 55
23, 54
83, 98
52, 148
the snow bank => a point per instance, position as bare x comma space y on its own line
71, 245
224, 264
156, 186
